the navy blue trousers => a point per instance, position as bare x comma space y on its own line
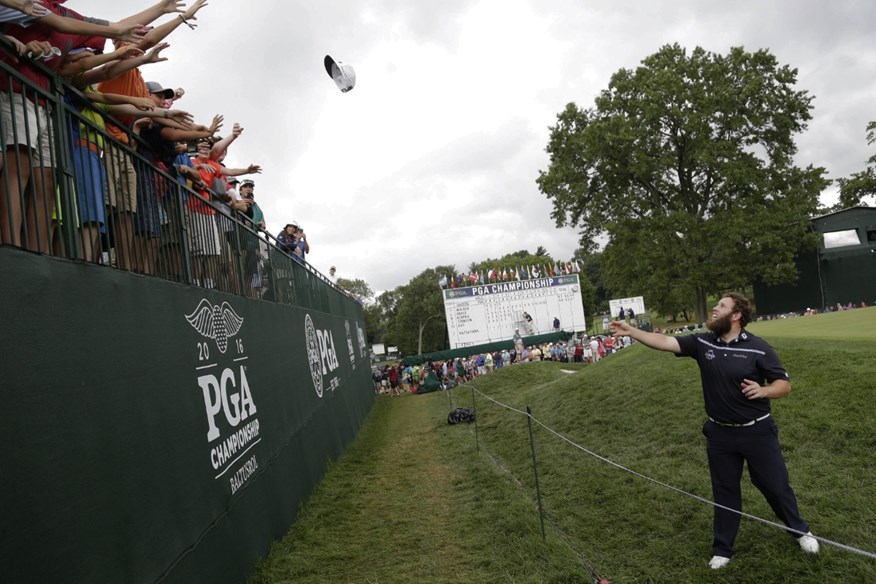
758, 445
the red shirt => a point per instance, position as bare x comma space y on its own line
208, 175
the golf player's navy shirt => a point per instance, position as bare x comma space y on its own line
723, 367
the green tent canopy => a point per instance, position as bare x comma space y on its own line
429, 384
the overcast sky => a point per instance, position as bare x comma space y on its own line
432, 158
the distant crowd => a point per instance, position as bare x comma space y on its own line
398, 378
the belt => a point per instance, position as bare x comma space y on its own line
751, 423
91, 145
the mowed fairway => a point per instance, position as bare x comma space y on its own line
858, 324
413, 501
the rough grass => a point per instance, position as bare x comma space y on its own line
411, 501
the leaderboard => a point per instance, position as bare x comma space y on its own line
489, 313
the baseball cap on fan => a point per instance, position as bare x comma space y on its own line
155, 87
342, 74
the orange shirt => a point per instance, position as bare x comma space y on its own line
130, 84
196, 205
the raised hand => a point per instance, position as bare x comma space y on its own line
129, 52
143, 103
171, 6
180, 116
154, 54
131, 34
217, 123
27, 6
193, 10
142, 123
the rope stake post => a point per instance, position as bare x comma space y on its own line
449, 397
474, 408
535, 470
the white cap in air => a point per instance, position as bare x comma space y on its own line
343, 75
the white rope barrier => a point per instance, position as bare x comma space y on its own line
667, 486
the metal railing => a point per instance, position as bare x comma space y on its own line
71, 188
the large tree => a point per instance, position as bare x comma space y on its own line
591, 272
379, 315
686, 166
358, 288
861, 185
419, 324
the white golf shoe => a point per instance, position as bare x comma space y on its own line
808, 543
718, 562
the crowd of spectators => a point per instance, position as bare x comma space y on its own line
126, 137
397, 378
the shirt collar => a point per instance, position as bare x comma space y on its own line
741, 337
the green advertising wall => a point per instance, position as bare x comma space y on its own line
156, 432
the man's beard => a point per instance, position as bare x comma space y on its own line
720, 326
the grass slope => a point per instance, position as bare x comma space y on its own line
411, 502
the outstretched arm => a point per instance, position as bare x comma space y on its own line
141, 103
154, 12
223, 144
158, 34
157, 113
27, 6
114, 69
620, 328
133, 33
73, 67
251, 169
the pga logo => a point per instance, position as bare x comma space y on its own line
228, 392
321, 355
222, 395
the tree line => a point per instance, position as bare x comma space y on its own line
682, 181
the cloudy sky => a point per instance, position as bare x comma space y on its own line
432, 158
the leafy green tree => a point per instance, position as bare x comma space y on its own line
419, 324
380, 314
591, 270
375, 323
686, 165
358, 288
861, 185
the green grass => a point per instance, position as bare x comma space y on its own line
411, 501
857, 324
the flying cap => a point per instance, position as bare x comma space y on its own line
343, 75
155, 87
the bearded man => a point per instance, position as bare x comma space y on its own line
740, 375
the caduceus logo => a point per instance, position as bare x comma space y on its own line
216, 322
313, 358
